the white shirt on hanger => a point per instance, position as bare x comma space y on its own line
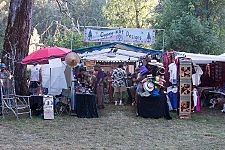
173, 73
197, 76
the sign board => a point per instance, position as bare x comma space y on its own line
48, 107
126, 35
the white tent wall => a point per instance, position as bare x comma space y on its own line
53, 76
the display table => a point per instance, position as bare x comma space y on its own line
153, 107
86, 106
36, 105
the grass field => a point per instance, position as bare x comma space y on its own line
117, 128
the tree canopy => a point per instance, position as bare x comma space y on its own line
196, 26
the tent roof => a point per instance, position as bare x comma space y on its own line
117, 45
223, 55
124, 52
202, 58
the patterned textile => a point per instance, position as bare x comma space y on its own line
185, 74
118, 76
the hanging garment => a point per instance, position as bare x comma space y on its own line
197, 76
173, 73
172, 94
197, 109
195, 96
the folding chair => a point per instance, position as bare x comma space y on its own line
17, 104
64, 104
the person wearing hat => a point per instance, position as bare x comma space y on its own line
6, 82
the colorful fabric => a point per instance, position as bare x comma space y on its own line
172, 94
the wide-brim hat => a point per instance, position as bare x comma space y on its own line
148, 86
161, 71
155, 63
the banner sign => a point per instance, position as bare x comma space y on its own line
126, 35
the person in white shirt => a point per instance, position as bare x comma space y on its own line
35, 78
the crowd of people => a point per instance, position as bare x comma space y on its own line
115, 86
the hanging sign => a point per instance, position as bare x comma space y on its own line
126, 35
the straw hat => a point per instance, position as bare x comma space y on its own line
72, 59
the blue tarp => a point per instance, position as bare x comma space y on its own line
119, 46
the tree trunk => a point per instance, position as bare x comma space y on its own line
136, 14
16, 42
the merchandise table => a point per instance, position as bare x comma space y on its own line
153, 107
86, 106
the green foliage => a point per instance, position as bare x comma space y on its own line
56, 28
129, 13
4, 4
69, 39
192, 26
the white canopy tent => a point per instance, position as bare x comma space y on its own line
202, 58
222, 55
108, 56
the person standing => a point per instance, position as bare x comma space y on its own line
100, 75
6, 82
119, 84
35, 79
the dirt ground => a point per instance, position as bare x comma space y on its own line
117, 128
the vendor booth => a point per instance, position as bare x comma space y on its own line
150, 104
207, 78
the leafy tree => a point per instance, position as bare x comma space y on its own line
192, 26
129, 13
68, 39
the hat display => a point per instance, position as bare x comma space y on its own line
148, 86
155, 63
161, 71
153, 74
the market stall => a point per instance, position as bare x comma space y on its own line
207, 77
108, 56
